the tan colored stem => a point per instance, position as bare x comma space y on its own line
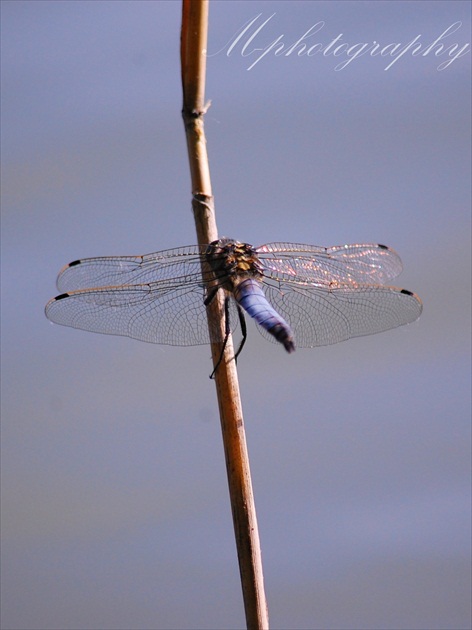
193, 60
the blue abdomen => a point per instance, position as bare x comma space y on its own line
251, 297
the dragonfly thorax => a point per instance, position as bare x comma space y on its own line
233, 261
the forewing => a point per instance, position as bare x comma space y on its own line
157, 313
320, 316
183, 263
348, 264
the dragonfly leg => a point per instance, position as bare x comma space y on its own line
211, 295
227, 332
242, 321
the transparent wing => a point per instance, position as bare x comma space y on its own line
326, 294
306, 263
348, 264
157, 313
106, 271
322, 316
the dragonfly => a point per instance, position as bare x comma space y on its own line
299, 295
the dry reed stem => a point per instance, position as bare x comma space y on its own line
193, 60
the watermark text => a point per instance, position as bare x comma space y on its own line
251, 41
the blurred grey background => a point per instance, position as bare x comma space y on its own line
115, 511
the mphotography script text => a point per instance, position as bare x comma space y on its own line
251, 41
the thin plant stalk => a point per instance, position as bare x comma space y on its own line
193, 64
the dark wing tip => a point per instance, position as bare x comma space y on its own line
48, 309
74, 263
416, 298
382, 246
